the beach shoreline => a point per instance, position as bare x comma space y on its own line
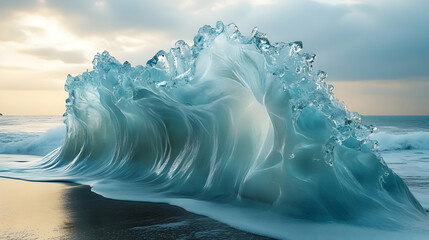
61, 210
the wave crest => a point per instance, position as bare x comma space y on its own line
404, 141
231, 118
33, 144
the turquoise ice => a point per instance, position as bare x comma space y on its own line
232, 119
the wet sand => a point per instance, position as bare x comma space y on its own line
47, 210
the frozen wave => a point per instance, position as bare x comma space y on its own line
232, 120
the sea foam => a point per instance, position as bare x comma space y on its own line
32, 143
412, 140
232, 122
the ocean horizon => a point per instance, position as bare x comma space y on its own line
403, 143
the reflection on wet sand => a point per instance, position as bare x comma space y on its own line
32, 210
37, 210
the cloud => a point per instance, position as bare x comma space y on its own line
388, 97
55, 54
354, 40
95, 17
368, 42
8, 8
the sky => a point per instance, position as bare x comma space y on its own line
375, 51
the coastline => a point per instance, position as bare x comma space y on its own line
408, 159
59, 210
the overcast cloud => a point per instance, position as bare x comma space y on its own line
355, 40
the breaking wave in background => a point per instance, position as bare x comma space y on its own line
231, 125
418, 140
44, 143
32, 143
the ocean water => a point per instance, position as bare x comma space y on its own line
403, 143
31, 135
239, 129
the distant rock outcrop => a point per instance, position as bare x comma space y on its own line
1, 114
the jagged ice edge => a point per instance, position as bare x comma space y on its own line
173, 69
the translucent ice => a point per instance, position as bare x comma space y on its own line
230, 119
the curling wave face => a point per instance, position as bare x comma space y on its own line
232, 118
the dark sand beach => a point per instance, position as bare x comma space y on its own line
52, 210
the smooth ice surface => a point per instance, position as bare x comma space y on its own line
234, 127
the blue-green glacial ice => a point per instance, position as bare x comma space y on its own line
234, 127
